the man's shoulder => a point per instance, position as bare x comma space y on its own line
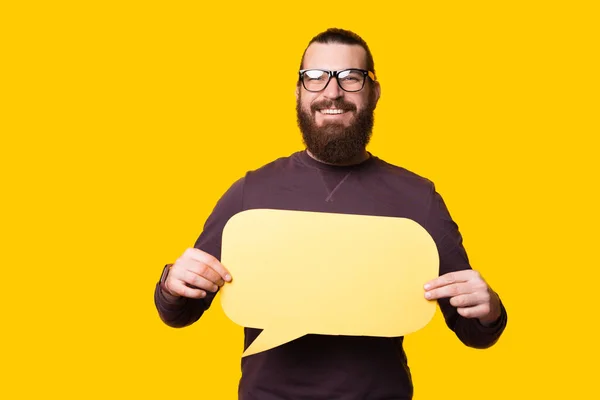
275, 166
401, 174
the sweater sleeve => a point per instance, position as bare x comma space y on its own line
453, 257
185, 311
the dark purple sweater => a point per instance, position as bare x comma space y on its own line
335, 367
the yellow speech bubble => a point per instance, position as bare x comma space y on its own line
299, 272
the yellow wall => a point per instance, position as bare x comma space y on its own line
123, 122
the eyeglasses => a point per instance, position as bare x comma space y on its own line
350, 80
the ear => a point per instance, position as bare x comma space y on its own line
377, 89
297, 92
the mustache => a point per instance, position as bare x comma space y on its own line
340, 104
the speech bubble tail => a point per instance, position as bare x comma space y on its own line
270, 338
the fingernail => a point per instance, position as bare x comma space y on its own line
215, 288
227, 277
428, 295
427, 286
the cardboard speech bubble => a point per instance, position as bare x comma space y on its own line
299, 272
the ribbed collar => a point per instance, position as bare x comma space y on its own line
306, 159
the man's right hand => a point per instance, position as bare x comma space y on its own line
195, 273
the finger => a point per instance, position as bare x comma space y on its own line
211, 261
200, 269
478, 311
469, 300
453, 290
199, 282
179, 287
452, 277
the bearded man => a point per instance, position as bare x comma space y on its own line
337, 93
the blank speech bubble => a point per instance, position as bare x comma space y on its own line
298, 272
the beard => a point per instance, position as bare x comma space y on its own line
334, 142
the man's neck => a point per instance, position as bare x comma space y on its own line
353, 161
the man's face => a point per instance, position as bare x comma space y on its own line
336, 125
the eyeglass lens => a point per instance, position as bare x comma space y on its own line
350, 80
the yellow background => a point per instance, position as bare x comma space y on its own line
122, 123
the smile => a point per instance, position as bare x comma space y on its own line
332, 111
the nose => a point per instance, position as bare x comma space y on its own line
333, 90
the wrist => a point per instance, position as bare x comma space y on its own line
169, 296
489, 322
495, 312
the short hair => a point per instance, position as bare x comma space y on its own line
341, 36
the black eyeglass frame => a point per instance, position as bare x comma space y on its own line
335, 74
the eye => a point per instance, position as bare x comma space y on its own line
314, 75
350, 76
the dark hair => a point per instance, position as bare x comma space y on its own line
342, 36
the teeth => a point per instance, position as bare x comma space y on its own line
332, 111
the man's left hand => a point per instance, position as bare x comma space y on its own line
469, 293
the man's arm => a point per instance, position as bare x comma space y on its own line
178, 305
472, 310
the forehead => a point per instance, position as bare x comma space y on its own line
335, 56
